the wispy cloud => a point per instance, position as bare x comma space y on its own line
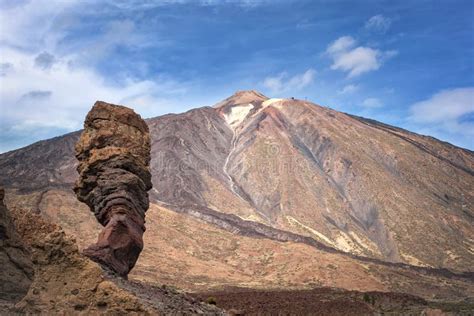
148, 4
36, 94
446, 105
48, 84
283, 82
446, 112
342, 44
5, 68
28, 91
348, 89
45, 60
378, 23
371, 103
31, 24
353, 60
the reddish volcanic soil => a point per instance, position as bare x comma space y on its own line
320, 301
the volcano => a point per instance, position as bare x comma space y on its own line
268, 193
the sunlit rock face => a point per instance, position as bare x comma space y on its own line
16, 270
114, 177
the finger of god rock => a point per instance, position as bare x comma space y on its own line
114, 177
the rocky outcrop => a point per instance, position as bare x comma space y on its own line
16, 270
114, 177
67, 283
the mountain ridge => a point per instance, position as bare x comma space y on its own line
286, 170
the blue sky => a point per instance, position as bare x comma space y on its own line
406, 63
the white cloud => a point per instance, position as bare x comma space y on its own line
350, 88
446, 105
342, 44
29, 25
48, 84
60, 96
372, 103
282, 82
378, 23
5, 68
443, 115
356, 60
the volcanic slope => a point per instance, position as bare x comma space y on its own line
258, 171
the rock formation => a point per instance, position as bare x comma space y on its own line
114, 177
235, 180
16, 270
67, 283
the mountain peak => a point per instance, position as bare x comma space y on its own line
255, 93
241, 97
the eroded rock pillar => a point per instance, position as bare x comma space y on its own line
114, 177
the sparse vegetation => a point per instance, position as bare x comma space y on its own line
211, 300
370, 299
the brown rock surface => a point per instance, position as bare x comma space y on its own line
16, 270
67, 283
114, 177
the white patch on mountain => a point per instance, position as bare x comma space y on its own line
237, 114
